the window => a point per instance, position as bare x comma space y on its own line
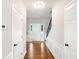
31, 27
41, 27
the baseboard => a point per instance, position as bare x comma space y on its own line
24, 54
50, 51
9, 56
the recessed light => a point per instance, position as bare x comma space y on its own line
39, 4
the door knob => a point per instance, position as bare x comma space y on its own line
15, 44
66, 45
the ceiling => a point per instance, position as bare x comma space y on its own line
33, 13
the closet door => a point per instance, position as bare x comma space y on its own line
18, 30
70, 32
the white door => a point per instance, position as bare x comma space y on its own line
71, 40
36, 33
17, 37
70, 32
17, 34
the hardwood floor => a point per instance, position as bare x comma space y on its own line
37, 50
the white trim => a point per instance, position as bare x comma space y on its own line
24, 54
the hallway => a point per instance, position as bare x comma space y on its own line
37, 50
39, 29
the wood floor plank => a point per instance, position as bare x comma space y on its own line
37, 50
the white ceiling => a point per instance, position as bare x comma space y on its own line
43, 13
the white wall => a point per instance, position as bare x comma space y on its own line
55, 39
6, 33
70, 30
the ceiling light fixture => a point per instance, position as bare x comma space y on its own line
39, 4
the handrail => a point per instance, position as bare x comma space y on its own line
49, 28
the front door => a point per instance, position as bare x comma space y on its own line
36, 32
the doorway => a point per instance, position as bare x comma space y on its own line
36, 32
